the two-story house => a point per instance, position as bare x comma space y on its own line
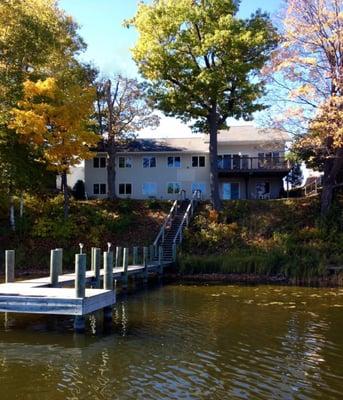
251, 165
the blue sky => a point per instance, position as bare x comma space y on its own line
109, 42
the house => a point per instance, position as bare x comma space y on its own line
251, 165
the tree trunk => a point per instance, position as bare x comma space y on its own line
331, 170
213, 128
65, 193
111, 171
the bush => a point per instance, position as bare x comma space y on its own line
79, 191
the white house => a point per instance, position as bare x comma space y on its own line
251, 165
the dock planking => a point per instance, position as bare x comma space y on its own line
55, 295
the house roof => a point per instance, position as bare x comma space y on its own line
199, 143
249, 133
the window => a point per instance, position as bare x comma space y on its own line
231, 191
99, 188
149, 162
198, 161
125, 188
99, 162
125, 162
173, 188
149, 189
199, 186
174, 162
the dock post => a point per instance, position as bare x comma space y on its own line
125, 266
60, 260
108, 281
174, 251
9, 265
95, 265
135, 256
55, 267
145, 262
118, 257
160, 259
80, 288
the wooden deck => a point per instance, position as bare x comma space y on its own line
36, 296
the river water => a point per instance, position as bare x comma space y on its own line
183, 342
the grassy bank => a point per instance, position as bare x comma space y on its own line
94, 223
282, 238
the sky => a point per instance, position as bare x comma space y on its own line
109, 43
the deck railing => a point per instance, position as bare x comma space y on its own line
167, 223
185, 220
242, 163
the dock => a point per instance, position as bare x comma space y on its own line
82, 292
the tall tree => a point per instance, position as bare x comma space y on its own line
37, 40
122, 110
54, 118
307, 73
203, 63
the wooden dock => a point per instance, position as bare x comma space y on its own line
78, 293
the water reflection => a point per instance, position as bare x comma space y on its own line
191, 342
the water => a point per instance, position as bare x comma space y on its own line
184, 342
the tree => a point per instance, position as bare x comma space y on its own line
295, 176
122, 110
37, 40
203, 63
54, 118
307, 72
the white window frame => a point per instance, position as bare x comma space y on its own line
99, 189
198, 161
99, 158
127, 162
173, 164
149, 194
125, 183
149, 162
174, 183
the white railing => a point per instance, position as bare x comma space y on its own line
186, 219
312, 188
169, 220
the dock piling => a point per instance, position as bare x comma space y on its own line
95, 265
60, 260
9, 265
125, 266
135, 256
118, 257
80, 288
55, 267
108, 282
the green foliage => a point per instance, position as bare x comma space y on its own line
197, 55
286, 238
94, 223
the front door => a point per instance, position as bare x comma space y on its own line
230, 190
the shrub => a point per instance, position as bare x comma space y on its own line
79, 191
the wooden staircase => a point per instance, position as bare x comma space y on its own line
170, 235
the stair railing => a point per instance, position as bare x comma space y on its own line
161, 235
185, 220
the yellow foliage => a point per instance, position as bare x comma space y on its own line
55, 119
